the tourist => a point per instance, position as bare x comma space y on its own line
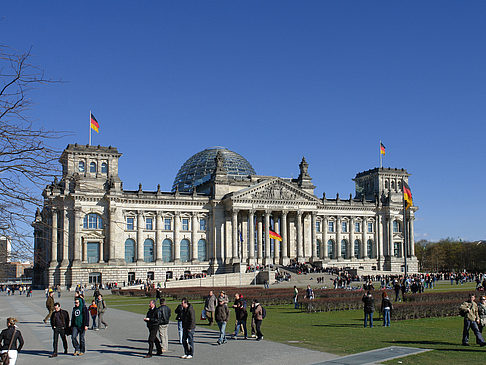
49, 305
210, 306
258, 316
241, 315
79, 326
93, 311
59, 324
386, 307
482, 313
222, 295
164, 325
309, 293
8, 341
152, 319
296, 296
369, 308
188, 327
178, 312
100, 303
221, 315
469, 309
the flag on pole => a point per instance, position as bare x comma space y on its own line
407, 195
274, 235
382, 149
94, 123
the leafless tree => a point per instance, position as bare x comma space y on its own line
27, 160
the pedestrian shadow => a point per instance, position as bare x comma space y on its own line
36, 352
129, 350
337, 325
452, 346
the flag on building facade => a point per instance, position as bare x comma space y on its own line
407, 195
94, 123
274, 235
382, 149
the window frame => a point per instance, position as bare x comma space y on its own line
130, 221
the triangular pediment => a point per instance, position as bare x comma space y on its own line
274, 190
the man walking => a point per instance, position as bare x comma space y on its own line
210, 306
164, 325
241, 315
471, 319
258, 316
79, 325
152, 320
100, 303
49, 305
221, 315
59, 324
188, 329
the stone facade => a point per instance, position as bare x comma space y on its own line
91, 229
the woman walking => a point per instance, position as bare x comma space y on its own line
8, 341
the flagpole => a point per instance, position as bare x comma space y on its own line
405, 233
89, 144
381, 156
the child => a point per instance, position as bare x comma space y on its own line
93, 310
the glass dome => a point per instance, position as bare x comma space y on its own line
198, 169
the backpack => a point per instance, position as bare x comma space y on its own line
264, 312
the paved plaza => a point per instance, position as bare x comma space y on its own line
125, 340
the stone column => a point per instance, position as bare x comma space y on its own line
299, 233
325, 226
54, 239
177, 243
411, 238
259, 238
139, 237
235, 235
244, 233
338, 238
77, 237
314, 236
267, 237
85, 250
276, 243
379, 242
158, 238
285, 250
252, 236
364, 249
390, 237
65, 238
113, 219
351, 238
194, 237
228, 232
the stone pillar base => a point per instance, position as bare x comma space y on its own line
284, 261
268, 261
251, 261
76, 263
194, 261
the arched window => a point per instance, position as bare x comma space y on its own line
201, 250
92, 167
185, 250
344, 249
92, 221
318, 248
393, 184
330, 249
129, 250
370, 249
396, 227
387, 184
166, 250
357, 252
104, 168
148, 250
81, 166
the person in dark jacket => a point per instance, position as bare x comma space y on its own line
188, 329
178, 312
369, 308
79, 326
386, 307
59, 324
9, 338
221, 316
49, 305
241, 315
153, 318
164, 325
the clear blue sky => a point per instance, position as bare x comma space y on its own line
274, 81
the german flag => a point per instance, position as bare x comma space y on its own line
382, 149
94, 123
407, 195
274, 235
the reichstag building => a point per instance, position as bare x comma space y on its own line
215, 220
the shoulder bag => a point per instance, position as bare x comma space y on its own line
4, 357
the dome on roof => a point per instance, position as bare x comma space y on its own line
198, 168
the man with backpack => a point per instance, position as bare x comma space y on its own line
100, 303
164, 325
259, 314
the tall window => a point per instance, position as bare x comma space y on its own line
130, 224
167, 250
357, 250
185, 224
167, 224
202, 224
330, 249
370, 249
201, 250
92, 221
318, 226
104, 168
149, 224
92, 167
396, 249
185, 250
344, 226
148, 250
318, 248
331, 226
81, 166
370, 227
396, 227
129, 251
357, 227
93, 252
344, 249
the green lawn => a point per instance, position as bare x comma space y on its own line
342, 332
